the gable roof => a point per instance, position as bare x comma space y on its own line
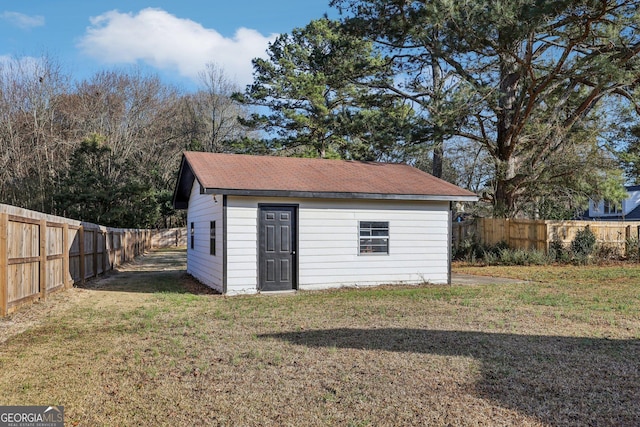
245, 175
634, 215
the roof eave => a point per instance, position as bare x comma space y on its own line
184, 184
341, 195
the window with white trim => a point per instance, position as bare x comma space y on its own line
374, 237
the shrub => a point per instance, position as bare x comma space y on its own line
557, 251
499, 247
507, 256
584, 243
492, 255
490, 258
581, 259
631, 245
604, 252
537, 257
468, 250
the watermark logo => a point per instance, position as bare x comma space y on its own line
31, 416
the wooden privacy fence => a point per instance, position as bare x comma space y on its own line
41, 254
169, 238
538, 234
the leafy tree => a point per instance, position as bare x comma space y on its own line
318, 106
141, 120
533, 73
102, 189
45, 117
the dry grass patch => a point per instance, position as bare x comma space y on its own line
142, 350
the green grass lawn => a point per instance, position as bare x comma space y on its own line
143, 349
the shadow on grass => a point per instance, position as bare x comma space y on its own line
558, 380
149, 282
158, 271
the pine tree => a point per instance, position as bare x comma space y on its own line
532, 74
313, 84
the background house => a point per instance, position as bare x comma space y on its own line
627, 210
258, 223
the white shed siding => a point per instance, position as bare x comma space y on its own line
201, 264
242, 246
328, 242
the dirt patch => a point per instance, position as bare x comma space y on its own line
192, 285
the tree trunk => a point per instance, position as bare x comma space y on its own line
438, 132
506, 140
504, 198
438, 154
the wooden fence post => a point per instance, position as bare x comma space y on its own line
111, 250
81, 246
105, 253
114, 248
4, 263
95, 252
638, 243
43, 259
123, 246
65, 256
547, 238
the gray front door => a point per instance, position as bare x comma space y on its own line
277, 246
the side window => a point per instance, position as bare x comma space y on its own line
212, 238
193, 234
374, 237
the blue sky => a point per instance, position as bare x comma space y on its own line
174, 39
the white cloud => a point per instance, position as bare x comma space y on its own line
22, 21
20, 65
159, 39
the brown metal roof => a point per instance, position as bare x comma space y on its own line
301, 177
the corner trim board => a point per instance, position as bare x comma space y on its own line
224, 244
449, 242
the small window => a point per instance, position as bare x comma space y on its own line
374, 237
193, 235
612, 207
212, 238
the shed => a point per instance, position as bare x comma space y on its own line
265, 223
